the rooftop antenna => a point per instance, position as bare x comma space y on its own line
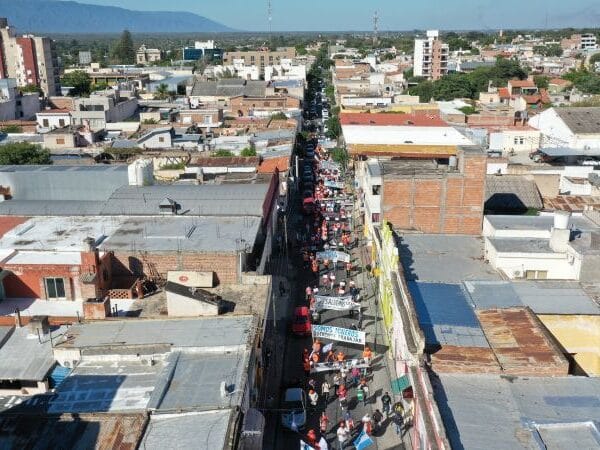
270, 16
375, 27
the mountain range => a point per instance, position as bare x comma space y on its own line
52, 16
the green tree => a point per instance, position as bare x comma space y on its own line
124, 52
301, 50
162, 92
31, 89
222, 153
21, 153
248, 152
541, 81
80, 81
548, 50
594, 59
453, 86
424, 90
334, 129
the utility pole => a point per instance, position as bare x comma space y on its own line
375, 27
270, 16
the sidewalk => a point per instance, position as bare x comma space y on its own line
383, 368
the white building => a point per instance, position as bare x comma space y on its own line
557, 247
431, 56
52, 118
588, 41
14, 105
575, 128
102, 108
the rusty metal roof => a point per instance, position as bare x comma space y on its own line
521, 344
90, 431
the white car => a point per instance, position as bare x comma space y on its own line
294, 409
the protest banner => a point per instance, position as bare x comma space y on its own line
333, 255
336, 366
334, 184
323, 302
338, 334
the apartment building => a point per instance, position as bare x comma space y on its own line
102, 108
31, 60
586, 41
431, 56
260, 58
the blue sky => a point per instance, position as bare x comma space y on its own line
310, 15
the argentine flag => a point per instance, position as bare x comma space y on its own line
363, 441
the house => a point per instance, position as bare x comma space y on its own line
219, 93
575, 128
204, 118
70, 137
263, 106
50, 119
557, 246
101, 108
157, 138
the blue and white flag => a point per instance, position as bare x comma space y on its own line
363, 441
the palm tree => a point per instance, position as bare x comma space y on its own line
162, 92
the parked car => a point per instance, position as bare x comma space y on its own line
308, 205
293, 416
301, 321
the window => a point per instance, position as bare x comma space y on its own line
55, 287
61, 123
60, 141
376, 189
519, 140
45, 123
375, 217
207, 119
161, 139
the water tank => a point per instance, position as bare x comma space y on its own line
141, 172
453, 162
561, 220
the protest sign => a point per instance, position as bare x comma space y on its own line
338, 334
345, 303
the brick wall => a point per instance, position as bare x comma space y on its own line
451, 204
29, 60
224, 265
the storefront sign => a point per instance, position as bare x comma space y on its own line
338, 334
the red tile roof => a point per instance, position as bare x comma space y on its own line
559, 82
522, 83
503, 93
396, 119
281, 163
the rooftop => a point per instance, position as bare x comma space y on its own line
403, 135
382, 119
580, 120
180, 233
69, 431
536, 223
521, 245
499, 412
198, 430
546, 297
444, 258
215, 332
24, 357
511, 193
228, 88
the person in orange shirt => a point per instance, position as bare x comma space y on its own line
367, 355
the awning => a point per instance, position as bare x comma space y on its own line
565, 151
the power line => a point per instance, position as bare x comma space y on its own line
269, 16
375, 27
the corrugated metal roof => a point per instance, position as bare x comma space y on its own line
205, 200
24, 358
229, 88
197, 430
580, 120
510, 193
85, 183
445, 315
496, 413
230, 331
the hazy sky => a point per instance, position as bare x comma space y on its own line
309, 15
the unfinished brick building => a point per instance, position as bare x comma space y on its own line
433, 197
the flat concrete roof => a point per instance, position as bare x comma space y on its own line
521, 245
198, 430
544, 222
444, 258
59, 234
34, 258
25, 358
209, 333
499, 412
